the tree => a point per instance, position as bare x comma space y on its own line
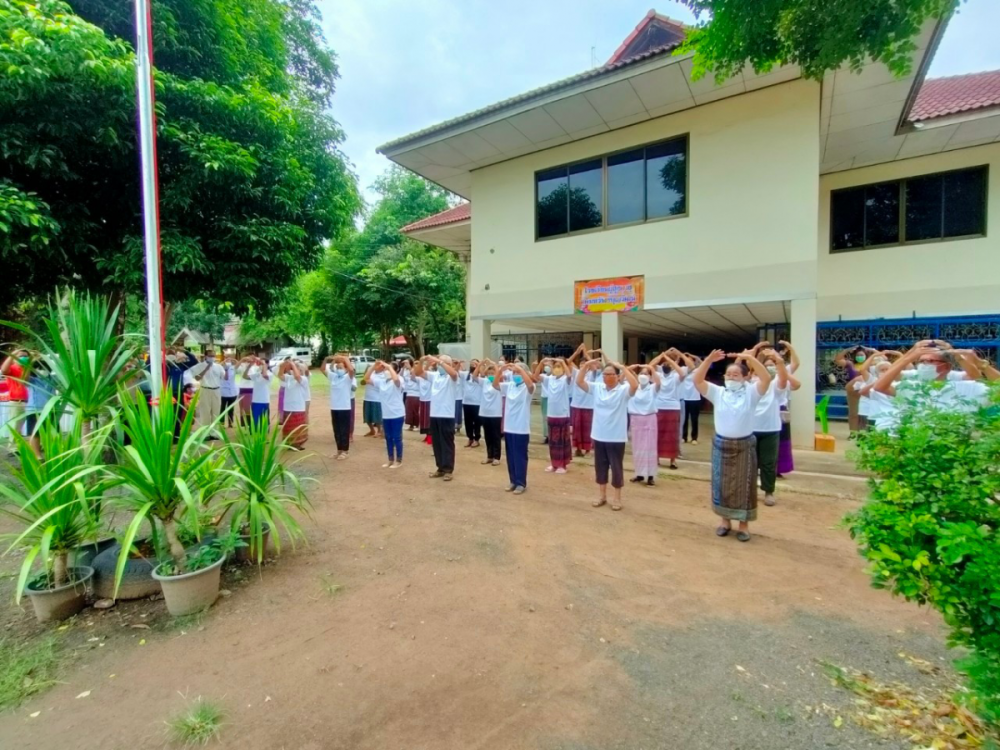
816, 36
251, 177
404, 198
200, 316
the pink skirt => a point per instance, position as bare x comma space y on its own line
581, 429
644, 444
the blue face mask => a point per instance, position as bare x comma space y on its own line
518, 380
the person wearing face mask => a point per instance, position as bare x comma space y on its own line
259, 375
420, 373
553, 374
245, 390
767, 419
517, 423
209, 376
385, 377
411, 392
583, 402
734, 450
642, 412
471, 400
540, 367
230, 390
340, 372
490, 410
668, 405
933, 364
786, 458
294, 429
862, 384
443, 379
610, 428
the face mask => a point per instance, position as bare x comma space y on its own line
734, 386
490, 378
209, 359
644, 380
339, 369
926, 371
860, 358
773, 369
23, 360
558, 372
254, 371
518, 380
548, 370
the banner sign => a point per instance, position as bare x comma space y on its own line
624, 294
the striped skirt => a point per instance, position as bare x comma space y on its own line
734, 478
668, 436
560, 450
412, 411
644, 444
425, 417
246, 405
786, 463
281, 404
581, 429
295, 429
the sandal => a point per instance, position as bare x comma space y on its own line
447, 477
723, 531
637, 480
743, 536
496, 461
600, 502
436, 474
616, 507
486, 461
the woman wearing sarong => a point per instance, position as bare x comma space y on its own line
767, 417
642, 417
668, 406
295, 428
554, 376
411, 391
246, 390
786, 461
734, 452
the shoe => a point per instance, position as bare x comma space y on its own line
510, 488
694, 442
468, 444
549, 469
388, 466
637, 480
519, 490
447, 477
545, 441
486, 461
743, 536
578, 453
599, 502
436, 474
769, 501
722, 531
396, 465
650, 482
560, 471
496, 461
672, 467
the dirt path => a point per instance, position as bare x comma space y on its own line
467, 618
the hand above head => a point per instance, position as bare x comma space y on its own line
716, 355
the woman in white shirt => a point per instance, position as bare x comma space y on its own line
767, 420
229, 390
259, 375
668, 406
610, 427
471, 399
517, 423
340, 372
734, 451
295, 429
642, 414
424, 393
372, 407
411, 391
582, 413
490, 410
554, 376
692, 401
385, 378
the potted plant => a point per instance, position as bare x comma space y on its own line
824, 442
158, 473
57, 500
263, 492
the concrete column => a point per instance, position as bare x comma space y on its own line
633, 351
588, 341
803, 403
612, 342
480, 338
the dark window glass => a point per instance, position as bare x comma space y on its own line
882, 214
923, 208
848, 218
666, 179
626, 189
552, 208
586, 196
965, 202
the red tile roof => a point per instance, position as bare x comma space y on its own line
461, 212
671, 34
939, 97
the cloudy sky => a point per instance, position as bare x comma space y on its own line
406, 65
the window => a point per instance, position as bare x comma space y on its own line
917, 209
625, 188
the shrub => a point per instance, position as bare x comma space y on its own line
931, 528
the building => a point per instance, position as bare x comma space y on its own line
845, 211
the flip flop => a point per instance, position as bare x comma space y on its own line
722, 531
447, 477
616, 507
599, 503
743, 536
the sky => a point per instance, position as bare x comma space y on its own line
407, 65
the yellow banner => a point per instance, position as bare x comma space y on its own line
623, 294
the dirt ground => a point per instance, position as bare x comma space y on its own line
431, 616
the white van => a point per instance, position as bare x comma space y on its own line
302, 355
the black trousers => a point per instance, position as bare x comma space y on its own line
767, 459
472, 424
229, 408
443, 442
341, 420
609, 456
491, 431
692, 410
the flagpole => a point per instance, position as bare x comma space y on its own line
150, 191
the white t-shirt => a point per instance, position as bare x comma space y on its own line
583, 399
643, 402
211, 374
410, 385
734, 410
229, 388
491, 401
688, 390
307, 386
391, 397
955, 395
865, 402
373, 392
471, 391
556, 390
517, 408
610, 412
767, 415
340, 389
424, 387
669, 397
261, 385
295, 393
443, 395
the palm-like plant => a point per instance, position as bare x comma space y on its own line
87, 360
264, 490
57, 500
159, 472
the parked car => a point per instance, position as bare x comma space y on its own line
361, 363
302, 355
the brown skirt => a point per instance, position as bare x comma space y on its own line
734, 478
412, 411
425, 417
668, 435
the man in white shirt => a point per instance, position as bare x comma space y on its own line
443, 379
934, 364
209, 376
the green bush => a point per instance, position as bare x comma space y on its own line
931, 528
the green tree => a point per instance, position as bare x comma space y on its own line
816, 36
404, 197
199, 316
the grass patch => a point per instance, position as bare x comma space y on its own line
26, 669
198, 725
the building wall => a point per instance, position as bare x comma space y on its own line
750, 231
958, 277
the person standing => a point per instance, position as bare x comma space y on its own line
767, 420
424, 394
490, 410
546, 370
471, 400
209, 376
692, 401
554, 376
246, 390
517, 424
786, 458
340, 372
15, 369
583, 402
668, 406
734, 450
372, 406
295, 429
459, 396
390, 387
642, 413
229, 390
411, 391
259, 374
610, 427
443, 378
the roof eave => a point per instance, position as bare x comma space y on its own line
904, 125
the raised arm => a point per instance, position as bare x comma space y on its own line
793, 357
529, 381
673, 365
841, 358
717, 355
536, 372
452, 372
885, 383
388, 370
968, 360
581, 375
779, 363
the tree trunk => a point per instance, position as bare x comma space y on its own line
59, 565
174, 544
